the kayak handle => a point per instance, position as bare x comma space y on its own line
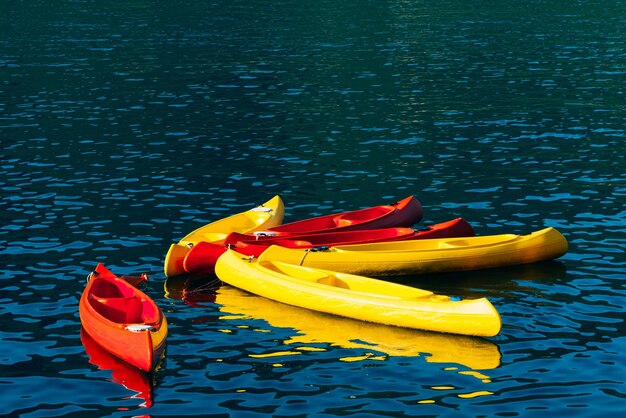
422, 228
318, 249
258, 234
139, 328
262, 209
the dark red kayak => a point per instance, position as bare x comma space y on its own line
202, 257
403, 213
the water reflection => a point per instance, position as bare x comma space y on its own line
314, 329
122, 373
491, 283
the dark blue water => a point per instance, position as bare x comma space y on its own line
125, 125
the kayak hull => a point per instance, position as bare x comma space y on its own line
123, 319
266, 215
202, 257
358, 297
428, 256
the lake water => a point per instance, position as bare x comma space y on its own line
125, 125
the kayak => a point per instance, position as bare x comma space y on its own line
320, 329
264, 216
427, 256
123, 319
358, 297
202, 257
404, 213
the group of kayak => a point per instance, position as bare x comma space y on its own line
327, 264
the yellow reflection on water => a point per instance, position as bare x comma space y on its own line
366, 356
477, 375
307, 348
318, 328
475, 394
315, 327
275, 354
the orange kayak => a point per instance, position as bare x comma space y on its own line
122, 319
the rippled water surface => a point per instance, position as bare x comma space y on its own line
125, 125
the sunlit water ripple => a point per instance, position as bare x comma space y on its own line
125, 126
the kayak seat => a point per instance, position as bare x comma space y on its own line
333, 281
104, 289
364, 215
457, 243
121, 310
344, 222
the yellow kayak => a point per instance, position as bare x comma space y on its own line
318, 328
264, 216
358, 297
427, 256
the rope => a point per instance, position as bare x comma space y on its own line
314, 250
306, 252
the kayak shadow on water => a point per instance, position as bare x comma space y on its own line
495, 282
123, 373
320, 328
194, 290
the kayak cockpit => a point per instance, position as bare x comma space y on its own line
121, 305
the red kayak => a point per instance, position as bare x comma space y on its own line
202, 257
123, 319
403, 213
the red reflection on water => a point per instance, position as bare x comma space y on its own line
122, 373
194, 297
